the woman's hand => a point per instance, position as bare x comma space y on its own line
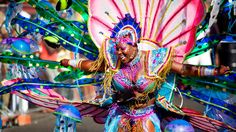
64, 62
83, 65
222, 70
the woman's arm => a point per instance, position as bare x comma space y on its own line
191, 70
83, 65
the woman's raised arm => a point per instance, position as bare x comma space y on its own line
84, 65
191, 70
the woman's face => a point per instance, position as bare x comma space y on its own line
126, 52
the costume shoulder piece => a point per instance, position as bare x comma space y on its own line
158, 61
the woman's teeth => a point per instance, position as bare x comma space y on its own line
122, 57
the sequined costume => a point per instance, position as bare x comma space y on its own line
135, 108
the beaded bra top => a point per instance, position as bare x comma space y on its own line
136, 77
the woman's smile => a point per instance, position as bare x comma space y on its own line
122, 57
126, 52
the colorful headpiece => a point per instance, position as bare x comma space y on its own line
156, 23
125, 38
126, 31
